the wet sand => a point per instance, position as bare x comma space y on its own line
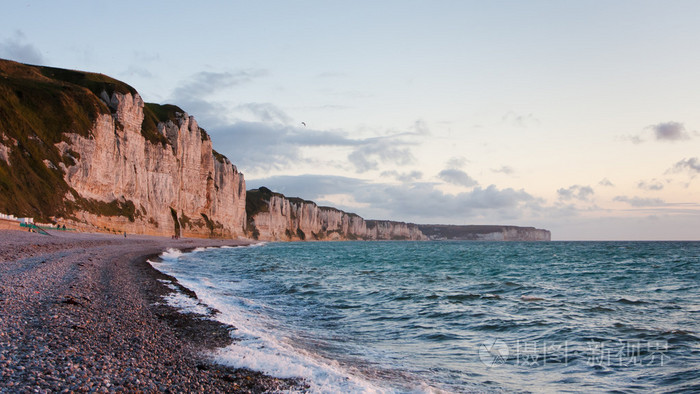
83, 312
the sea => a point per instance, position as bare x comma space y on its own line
454, 316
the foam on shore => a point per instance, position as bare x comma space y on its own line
259, 346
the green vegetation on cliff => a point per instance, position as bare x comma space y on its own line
154, 114
35, 112
38, 107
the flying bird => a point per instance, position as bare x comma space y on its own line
304, 123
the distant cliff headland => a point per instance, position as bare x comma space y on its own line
83, 149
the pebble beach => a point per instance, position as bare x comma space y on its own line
84, 313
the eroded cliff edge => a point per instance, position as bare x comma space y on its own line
274, 217
484, 233
84, 149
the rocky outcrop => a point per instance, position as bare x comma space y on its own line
484, 233
84, 149
274, 217
387, 229
178, 186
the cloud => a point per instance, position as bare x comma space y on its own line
665, 131
419, 202
16, 48
194, 96
640, 202
271, 145
669, 131
374, 151
653, 185
205, 83
606, 182
266, 112
256, 145
504, 170
575, 192
457, 177
404, 176
456, 162
691, 165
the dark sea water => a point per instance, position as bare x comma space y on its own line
457, 316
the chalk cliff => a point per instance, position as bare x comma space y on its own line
484, 233
83, 149
128, 166
274, 217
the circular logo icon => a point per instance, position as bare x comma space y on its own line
493, 352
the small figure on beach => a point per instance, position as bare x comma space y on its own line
124, 234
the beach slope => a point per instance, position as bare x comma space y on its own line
84, 312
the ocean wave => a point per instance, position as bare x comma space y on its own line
171, 254
631, 302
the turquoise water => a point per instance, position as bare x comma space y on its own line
458, 316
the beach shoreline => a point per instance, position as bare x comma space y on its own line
85, 312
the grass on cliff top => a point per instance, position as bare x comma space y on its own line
35, 112
96, 83
38, 105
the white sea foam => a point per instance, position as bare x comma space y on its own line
260, 347
186, 304
171, 254
263, 348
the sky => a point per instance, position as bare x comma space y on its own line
581, 117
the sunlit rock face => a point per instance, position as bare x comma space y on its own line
278, 218
177, 178
484, 233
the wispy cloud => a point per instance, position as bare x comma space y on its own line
457, 177
265, 112
273, 145
385, 150
194, 95
508, 170
582, 193
652, 185
205, 83
640, 201
691, 165
456, 162
403, 176
17, 48
606, 182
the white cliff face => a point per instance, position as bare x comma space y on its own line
485, 233
293, 219
117, 163
517, 234
384, 229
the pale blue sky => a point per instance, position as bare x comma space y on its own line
580, 117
